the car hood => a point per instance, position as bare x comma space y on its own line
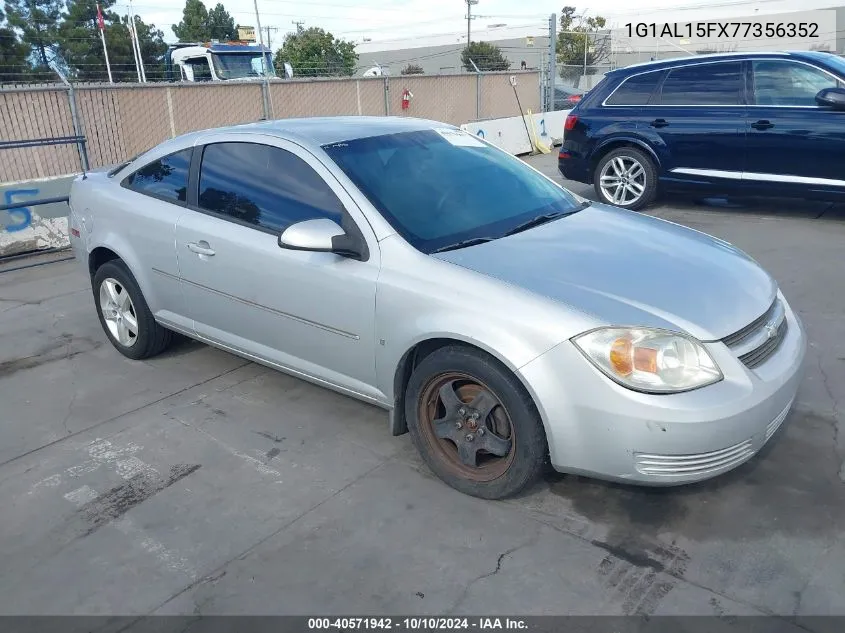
629, 269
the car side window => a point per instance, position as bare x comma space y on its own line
704, 84
785, 83
264, 186
636, 90
165, 178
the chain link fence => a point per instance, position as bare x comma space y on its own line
36, 113
54, 130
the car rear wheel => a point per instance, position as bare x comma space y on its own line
124, 314
474, 424
626, 177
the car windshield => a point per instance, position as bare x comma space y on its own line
240, 65
438, 188
836, 63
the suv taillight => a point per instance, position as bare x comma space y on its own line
571, 120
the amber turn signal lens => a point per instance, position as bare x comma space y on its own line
620, 357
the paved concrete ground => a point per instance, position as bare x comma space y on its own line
199, 483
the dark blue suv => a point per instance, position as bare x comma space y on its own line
764, 124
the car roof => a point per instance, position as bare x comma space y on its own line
697, 59
327, 130
311, 132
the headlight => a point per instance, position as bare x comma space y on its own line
648, 360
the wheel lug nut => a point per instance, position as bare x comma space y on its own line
458, 425
470, 437
462, 411
475, 415
480, 431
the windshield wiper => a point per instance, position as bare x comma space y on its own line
546, 217
464, 244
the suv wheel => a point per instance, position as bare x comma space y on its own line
626, 178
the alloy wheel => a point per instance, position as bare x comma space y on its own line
118, 312
623, 180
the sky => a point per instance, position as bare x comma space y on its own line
376, 20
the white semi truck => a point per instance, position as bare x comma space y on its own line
218, 61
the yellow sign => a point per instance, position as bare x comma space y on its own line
246, 33
529, 41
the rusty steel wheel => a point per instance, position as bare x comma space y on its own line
466, 424
474, 423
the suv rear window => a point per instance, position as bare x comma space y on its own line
704, 84
636, 90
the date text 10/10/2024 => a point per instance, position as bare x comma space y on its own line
415, 624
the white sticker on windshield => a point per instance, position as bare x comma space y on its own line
459, 137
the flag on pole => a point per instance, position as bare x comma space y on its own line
101, 24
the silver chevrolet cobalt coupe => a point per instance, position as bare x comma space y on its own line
497, 317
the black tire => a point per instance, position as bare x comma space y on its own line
650, 177
151, 338
497, 477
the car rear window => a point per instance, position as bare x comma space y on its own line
165, 178
704, 84
636, 90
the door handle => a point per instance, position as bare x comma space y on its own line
762, 124
659, 123
200, 248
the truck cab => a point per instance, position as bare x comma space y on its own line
215, 61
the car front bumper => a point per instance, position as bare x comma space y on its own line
598, 428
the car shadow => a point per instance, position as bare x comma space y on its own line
752, 206
793, 486
780, 207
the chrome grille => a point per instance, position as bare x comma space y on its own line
737, 337
758, 340
758, 356
693, 464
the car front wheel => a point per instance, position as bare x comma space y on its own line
474, 424
626, 177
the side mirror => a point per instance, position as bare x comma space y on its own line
321, 236
831, 98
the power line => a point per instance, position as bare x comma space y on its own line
298, 3
707, 5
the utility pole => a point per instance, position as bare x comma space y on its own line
297, 24
260, 40
470, 17
265, 88
270, 28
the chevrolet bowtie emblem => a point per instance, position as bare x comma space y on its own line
771, 330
